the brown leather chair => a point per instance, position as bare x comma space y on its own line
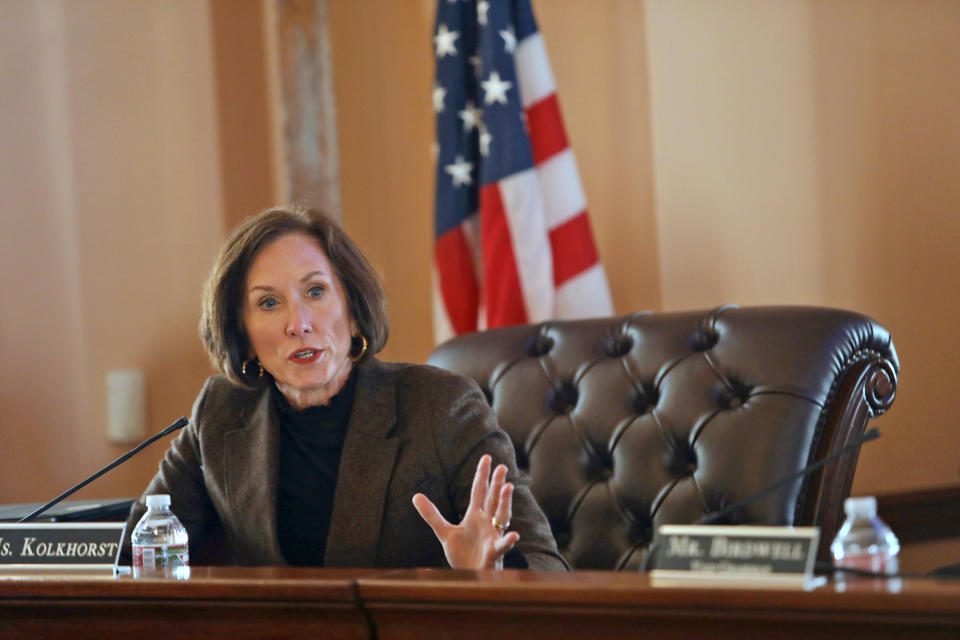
624, 424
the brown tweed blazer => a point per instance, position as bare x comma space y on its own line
412, 428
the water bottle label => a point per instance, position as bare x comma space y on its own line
161, 556
873, 562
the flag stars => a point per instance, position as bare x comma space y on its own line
495, 89
509, 39
482, 8
470, 116
444, 41
460, 171
485, 140
439, 95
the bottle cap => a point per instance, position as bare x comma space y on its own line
159, 500
864, 506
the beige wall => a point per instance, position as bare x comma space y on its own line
808, 152
111, 192
801, 151
382, 78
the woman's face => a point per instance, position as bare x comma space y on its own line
296, 316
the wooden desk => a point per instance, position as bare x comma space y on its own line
215, 602
435, 604
224, 602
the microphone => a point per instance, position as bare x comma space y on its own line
713, 516
176, 426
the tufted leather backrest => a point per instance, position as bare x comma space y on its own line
624, 424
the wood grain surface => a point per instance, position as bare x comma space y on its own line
283, 602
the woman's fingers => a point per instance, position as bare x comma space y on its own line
504, 505
481, 539
505, 543
493, 493
478, 492
432, 516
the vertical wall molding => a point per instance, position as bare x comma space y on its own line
307, 109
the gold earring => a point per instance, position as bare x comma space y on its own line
243, 367
363, 349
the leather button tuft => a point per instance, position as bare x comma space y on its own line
734, 394
619, 346
640, 532
599, 469
539, 345
705, 339
646, 398
706, 336
683, 462
564, 397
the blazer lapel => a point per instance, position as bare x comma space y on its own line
250, 473
366, 466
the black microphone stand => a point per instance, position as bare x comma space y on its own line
179, 424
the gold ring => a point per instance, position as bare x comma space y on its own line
499, 525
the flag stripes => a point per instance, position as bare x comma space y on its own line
513, 237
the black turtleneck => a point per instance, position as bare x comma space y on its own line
310, 444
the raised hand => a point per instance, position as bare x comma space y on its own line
481, 539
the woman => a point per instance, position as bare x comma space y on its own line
308, 450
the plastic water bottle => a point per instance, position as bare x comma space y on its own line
160, 542
865, 542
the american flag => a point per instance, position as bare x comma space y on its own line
513, 243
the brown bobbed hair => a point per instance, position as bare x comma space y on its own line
221, 322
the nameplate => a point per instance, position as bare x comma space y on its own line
60, 545
718, 553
